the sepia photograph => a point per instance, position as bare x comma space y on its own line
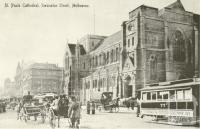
99, 64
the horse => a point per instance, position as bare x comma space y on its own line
57, 114
114, 105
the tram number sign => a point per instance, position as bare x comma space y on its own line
168, 113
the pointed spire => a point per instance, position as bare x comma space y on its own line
176, 5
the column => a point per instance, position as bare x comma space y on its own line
196, 34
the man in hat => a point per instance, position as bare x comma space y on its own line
74, 113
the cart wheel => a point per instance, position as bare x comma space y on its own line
25, 118
43, 119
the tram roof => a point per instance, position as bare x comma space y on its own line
171, 86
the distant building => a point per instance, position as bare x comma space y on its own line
39, 78
10, 88
152, 46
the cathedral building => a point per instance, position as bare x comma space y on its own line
152, 46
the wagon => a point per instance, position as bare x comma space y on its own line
33, 110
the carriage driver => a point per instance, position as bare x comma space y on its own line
54, 105
27, 98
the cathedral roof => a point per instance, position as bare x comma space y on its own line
109, 41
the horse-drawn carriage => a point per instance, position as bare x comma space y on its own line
58, 110
105, 101
33, 109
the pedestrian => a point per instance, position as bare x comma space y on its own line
19, 107
74, 113
93, 107
127, 104
132, 103
138, 107
66, 105
88, 107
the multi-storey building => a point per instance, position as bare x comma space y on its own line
39, 78
152, 46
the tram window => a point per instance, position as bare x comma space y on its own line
181, 105
188, 94
190, 105
148, 96
179, 94
144, 96
172, 95
165, 96
153, 95
173, 105
159, 96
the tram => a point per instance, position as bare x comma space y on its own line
173, 102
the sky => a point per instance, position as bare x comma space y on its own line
41, 34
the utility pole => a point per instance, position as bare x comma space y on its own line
94, 17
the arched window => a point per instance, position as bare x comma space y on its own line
96, 59
117, 54
104, 58
107, 57
179, 47
100, 60
111, 56
153, 67
93, 60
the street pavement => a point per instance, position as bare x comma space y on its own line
124, 119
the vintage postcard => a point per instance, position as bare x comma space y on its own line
99, 64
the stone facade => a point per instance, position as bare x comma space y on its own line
161, 43
39, 78
153, 46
